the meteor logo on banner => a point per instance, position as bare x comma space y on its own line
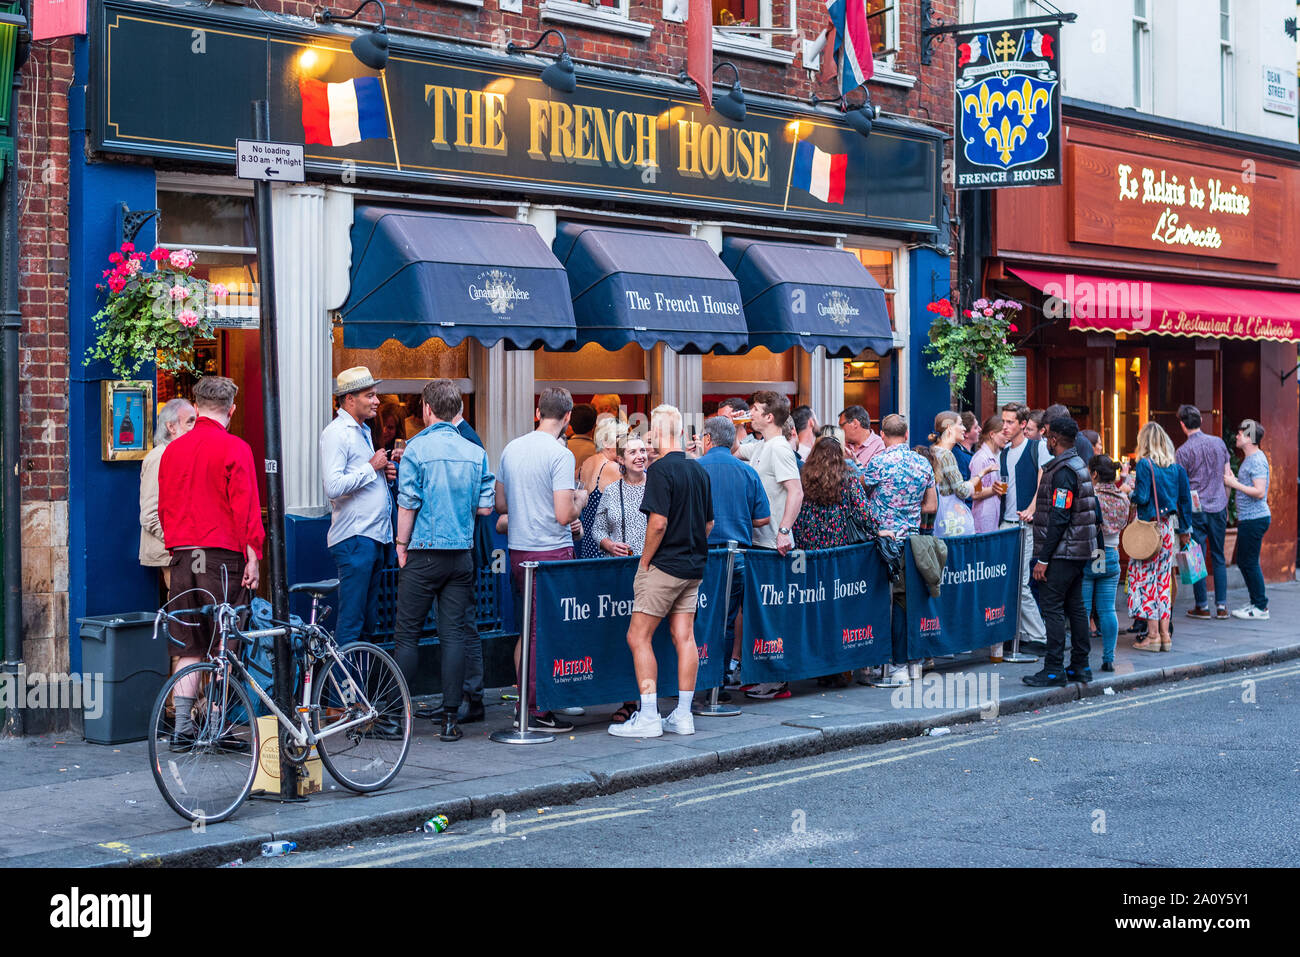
977, 599
830, 615
1008, 108
583, 609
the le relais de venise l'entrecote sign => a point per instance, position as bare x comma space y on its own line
1143, 202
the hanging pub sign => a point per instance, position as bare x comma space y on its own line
1008, 108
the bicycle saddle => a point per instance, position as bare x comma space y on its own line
316, 588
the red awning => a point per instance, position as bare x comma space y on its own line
1111, 304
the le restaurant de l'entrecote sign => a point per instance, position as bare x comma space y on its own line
178, 84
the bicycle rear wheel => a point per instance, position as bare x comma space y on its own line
208, 773
367, 756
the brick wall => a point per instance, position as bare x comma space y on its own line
42, 138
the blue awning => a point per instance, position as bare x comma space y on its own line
642, 287
808, 296
419, 274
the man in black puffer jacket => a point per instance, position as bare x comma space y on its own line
1065, 534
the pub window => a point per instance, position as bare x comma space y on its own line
1142, 83
867, 375
742, 375
594, 370
742, 13
219, 229
1227, 88
404, 372
882, 20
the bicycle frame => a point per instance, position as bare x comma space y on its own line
302, 734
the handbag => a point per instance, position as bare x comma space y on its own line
953, 518
1191, 564
1141, 539
856, 526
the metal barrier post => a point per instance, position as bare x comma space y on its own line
714, 709
522, 734
1016, 658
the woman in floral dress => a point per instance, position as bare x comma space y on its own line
1150, 583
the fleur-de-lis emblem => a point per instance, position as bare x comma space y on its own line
983, 104
1028, 99
1005, 138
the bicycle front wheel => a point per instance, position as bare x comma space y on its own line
367, 756
206, 773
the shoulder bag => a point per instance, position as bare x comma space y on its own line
1141, 539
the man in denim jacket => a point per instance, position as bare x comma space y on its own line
442, 484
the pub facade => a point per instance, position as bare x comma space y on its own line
615, 237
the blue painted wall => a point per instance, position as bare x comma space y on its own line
931, 278
103, 509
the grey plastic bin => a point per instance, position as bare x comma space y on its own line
134, 666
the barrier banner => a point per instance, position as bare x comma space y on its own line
977, 601
814, 613
583, 609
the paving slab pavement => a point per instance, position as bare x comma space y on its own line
69, 803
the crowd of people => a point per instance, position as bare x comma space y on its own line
583, 484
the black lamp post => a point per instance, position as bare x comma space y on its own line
560, 75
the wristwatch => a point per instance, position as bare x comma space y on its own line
784, 531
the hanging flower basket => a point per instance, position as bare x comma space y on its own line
976, 341
152, 316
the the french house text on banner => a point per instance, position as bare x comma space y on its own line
977, 599
814, 613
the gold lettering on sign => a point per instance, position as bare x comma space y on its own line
591, 135
705, 151
469, 120
1160, 187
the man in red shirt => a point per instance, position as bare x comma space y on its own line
212, 525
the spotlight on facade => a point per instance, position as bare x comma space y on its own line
732, 103
370, 48
560, 75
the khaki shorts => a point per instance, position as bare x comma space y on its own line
659, 594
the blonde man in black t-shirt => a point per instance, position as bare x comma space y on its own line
678, 504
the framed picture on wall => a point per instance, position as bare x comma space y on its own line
126, 420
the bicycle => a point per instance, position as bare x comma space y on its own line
355, 711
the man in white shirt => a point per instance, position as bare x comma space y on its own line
535, 489
356, 482
1021, 478
773, 459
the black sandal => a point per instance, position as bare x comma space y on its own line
625, 712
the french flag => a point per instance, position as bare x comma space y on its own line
820, 173
1038, 43
337, 114
972, 52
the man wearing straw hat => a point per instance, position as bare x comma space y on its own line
361, 528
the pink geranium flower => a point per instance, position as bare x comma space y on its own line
188, 318
159, 254
116, 283
181, 259
219, 290
178, 292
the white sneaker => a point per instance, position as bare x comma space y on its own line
571, 712
679, 723
895, 676
914, 671
640, 725
1251, 613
